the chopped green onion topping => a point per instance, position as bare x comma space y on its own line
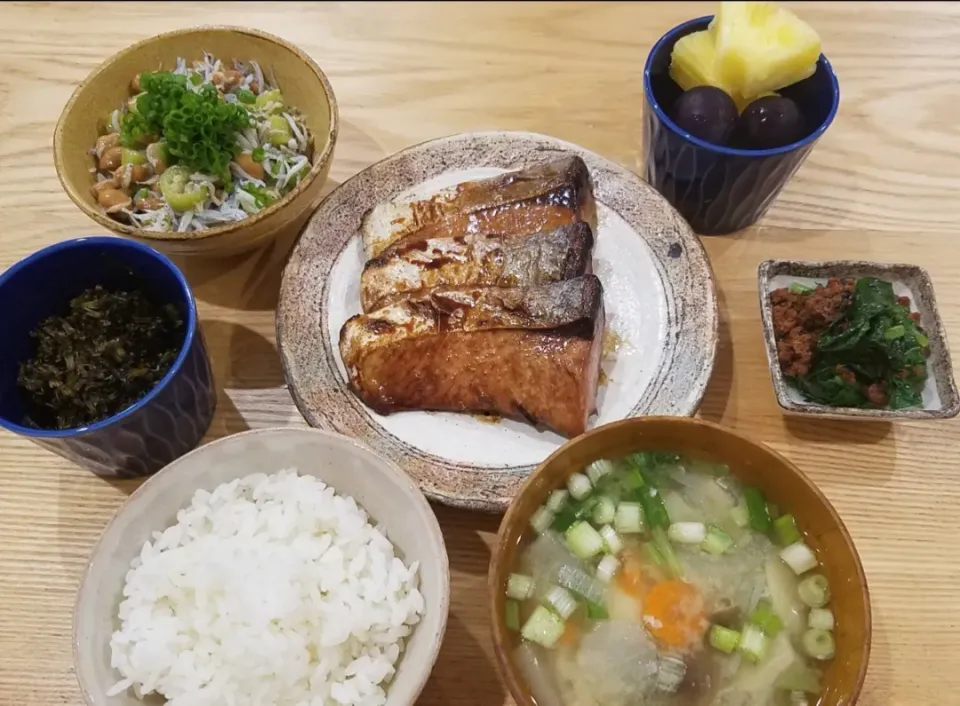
598, 469
814, 590
556, 500
724, 639
785, 528
670, 561
799, 288
561, 601
579, 486
544, 627
687, 532
819, 644
653, 554
245, 95
520, 587
583, 540
820, 619
799, 557
258, 155
753, 643
740, 516
511, 615
596, 611
611, 540
629, 518
541, 520
757, 509
604, 511
717, 541
654, 511
607, 568
765, 619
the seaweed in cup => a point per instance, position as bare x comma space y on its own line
199, 146
851, 343
108, 350
659, 580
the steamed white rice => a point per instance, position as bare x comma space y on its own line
272, 589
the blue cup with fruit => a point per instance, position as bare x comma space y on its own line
733, 104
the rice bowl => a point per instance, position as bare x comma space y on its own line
271, 589
229, 577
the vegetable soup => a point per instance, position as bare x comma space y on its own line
659, 580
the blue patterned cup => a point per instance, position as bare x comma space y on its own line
719, 189
164, 424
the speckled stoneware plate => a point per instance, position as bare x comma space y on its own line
658, 293
940, 398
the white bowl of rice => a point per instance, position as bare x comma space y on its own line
277, 567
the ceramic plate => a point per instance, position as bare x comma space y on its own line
940, 397
658, 293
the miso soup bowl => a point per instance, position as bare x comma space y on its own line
303, 84
750, 462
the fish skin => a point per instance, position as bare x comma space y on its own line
415, 264
540, 197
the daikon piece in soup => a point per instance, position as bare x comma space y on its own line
660, 580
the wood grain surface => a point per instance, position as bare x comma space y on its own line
882, 184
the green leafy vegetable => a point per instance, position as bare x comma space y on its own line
199, 128
874, 342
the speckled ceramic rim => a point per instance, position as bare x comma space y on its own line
86, 588
940, 366
507, 667
310, 362
110, 241
319, 160
683, 29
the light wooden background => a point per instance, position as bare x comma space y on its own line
884, 183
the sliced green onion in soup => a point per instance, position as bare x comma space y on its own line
819, 644
579, 486
820, 619
520, 587
814, 590
544, 627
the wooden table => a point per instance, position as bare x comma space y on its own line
883, 184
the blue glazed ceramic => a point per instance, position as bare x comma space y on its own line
718, 189
163, 425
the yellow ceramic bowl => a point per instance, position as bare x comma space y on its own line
303, 84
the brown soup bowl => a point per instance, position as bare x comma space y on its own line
751, 463
303, 84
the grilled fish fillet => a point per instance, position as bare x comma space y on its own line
527, 353
541, 197
475, 260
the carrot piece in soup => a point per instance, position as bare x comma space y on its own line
673, 612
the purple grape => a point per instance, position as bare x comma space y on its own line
769, 122
706, 112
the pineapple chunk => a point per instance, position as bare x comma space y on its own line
760, 47
693, 61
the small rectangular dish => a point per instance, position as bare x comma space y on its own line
940, 399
